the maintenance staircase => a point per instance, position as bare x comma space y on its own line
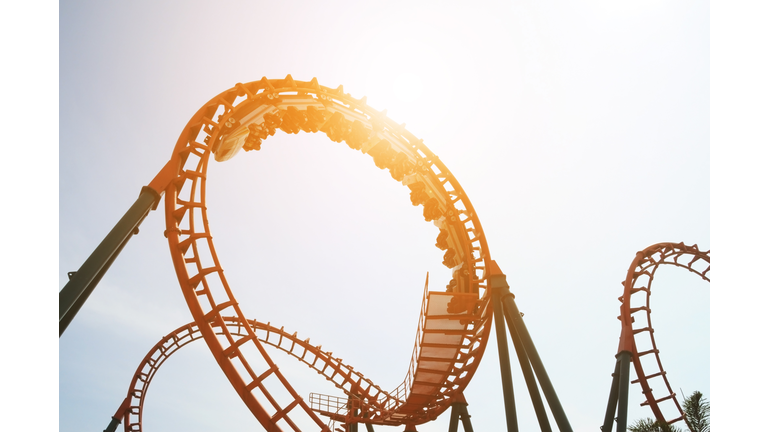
448, 341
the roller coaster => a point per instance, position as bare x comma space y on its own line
454, 323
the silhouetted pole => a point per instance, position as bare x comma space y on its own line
619, 393
352, 404
538, 366
530, 378
613, 398
459, 412
500, 287
497, 283
453, 424
82, 282
77, 303
115, 422
620, 383
621, 422
464, 416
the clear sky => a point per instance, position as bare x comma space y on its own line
579, 132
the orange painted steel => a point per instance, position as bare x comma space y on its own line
433, 371
241, 118
636, 318
373, 403
371, 397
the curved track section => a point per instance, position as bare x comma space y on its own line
333, 369
241, 118
637, 330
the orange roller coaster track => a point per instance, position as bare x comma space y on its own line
637, 330
454, 324
372, 399
240, 118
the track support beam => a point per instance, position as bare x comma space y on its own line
84, 280
119, 414
619, 395
496, 285
528, 375
623, 360
527, 354
538, 366
459, 412
352, 426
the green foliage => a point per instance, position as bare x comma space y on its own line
651, 425
696, 410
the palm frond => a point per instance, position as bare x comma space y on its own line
696, 408
651, 425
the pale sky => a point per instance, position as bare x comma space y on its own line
579, 132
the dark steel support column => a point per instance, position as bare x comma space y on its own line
64, 322
501, 341
112, 427
613, 398
81, 285
530, 378
369, 427
546, 385
459, 412
351, 402
113, 424
624, 359
464, 416
453, 425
